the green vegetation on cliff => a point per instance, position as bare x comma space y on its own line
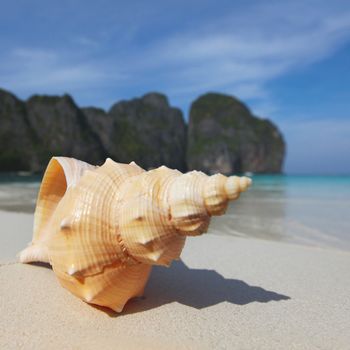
222, 134
225, 137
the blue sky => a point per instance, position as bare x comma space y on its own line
288, 60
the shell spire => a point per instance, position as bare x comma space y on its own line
102, 228
195, 197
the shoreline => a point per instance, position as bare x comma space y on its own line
288, 210
225, 292
17, 228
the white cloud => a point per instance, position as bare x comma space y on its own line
40, 70
254, 53
237, 52
30, 55
85, 41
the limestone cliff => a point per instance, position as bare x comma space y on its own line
61, 128
17, 151
145, 130
224, 136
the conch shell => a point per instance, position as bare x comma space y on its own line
102, 228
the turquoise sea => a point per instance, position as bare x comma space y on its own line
311, 210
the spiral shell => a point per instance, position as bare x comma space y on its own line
102, 228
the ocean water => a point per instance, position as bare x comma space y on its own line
18, 192
310, 210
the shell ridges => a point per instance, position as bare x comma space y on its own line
102, 228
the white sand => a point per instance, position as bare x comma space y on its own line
227, 293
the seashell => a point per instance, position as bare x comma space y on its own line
102, 228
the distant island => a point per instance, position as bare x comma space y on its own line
222, 134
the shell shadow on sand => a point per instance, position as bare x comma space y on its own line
197, 288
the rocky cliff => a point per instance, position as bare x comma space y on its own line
150, 132
61, 128
17, 150
146, 130
222, 135
225, 137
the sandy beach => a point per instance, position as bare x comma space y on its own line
225, 293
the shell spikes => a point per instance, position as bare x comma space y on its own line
102, 228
